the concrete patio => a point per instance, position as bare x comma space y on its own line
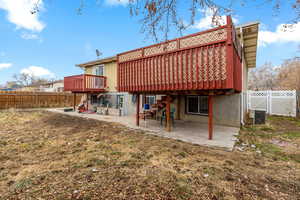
187, 131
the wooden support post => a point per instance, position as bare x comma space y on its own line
178, 111
210, 117
74, 102
168, 113
87, 101
138, 110
144, 99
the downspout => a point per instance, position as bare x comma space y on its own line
242, 96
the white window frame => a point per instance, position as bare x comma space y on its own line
96, 68
199, 107
150, 96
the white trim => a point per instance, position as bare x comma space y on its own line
97, 67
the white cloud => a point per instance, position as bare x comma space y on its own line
37, 71
117, 2
19, 13
5, 65
280, 35
31, 36
206, 21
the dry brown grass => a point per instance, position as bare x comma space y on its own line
51, 156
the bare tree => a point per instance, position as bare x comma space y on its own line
263, 78
11, 84
25, 79
284, 77
289, 74
159, 17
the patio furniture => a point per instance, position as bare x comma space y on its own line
164, 118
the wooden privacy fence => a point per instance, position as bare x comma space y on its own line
13, 99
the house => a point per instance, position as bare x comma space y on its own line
53, 86
29, 88
200, 77
99, 84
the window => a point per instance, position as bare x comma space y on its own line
95, 99
197, 105
99, 70
120, 101
150, 100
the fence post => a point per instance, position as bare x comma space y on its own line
269, 102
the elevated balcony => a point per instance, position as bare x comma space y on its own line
208, 60
85, 83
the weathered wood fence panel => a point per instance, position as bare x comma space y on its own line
13, 99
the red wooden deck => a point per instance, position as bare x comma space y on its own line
85, 83
203, 61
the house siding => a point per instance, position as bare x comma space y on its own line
110, 71
226, 111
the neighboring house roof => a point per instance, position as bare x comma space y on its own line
50, 83
97, 62
249, 35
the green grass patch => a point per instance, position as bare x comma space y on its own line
267, 128
272, 151
291, 135
22, 184
282, 118
295, 157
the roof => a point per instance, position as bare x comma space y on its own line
248, 33
99, 61
53, 82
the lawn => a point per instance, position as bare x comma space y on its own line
47, 155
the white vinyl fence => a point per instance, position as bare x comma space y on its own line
274, 102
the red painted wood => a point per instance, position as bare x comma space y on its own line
138, 110
218, 66
84, 83
173, 71
161, 73
210, 117
202, 68
229, 54
168, 74
206, 75
186, 78
153, 68
153, 73
126, 76
214, 65
138, 75
191, 69
181, 66
177, 70
197, 69
143, 80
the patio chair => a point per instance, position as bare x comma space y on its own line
164, 117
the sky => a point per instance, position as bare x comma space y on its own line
50, 43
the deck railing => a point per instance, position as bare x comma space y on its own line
85, 83
206, 60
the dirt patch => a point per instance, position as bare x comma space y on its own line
52, 156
